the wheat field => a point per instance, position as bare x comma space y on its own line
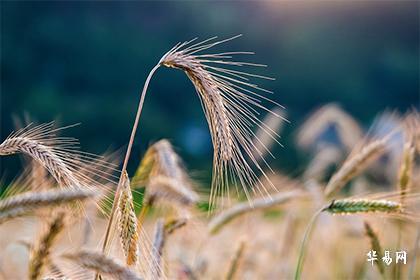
70, 214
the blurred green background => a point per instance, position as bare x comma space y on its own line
76, 61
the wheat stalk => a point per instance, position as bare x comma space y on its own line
102, 264
218, 222
375, 246
128, 223
41, 251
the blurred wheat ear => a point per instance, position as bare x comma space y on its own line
102, 264
41, 251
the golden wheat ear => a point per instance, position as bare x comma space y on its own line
128, 223
102, 264
232, 104
61, 156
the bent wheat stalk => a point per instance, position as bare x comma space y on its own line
218, 222
231, 105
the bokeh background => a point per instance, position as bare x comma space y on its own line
86, 62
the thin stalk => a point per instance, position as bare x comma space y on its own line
127, 157
302, 250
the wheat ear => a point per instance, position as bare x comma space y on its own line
128, 223
405, 172
355, 164
231, 104
354, 206
40, 144
41, 251
102, 264
21, 204
237, 210
375, 246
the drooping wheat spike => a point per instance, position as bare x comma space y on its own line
157, 250
128, 223
41, 251
231, 104
21, 204
102, 264
59, 155
354, 206
237, 210
234, 263
375, 246
355, 164
40, 143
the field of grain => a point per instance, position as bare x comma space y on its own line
70, 214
